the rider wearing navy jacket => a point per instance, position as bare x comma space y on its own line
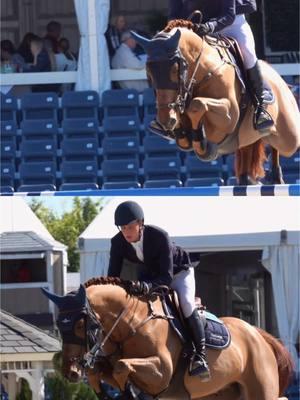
164, 264
228, 18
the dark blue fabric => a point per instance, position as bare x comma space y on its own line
223, 11
217, 335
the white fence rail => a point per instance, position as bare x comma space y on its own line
116, 75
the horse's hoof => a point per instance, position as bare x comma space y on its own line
245, 180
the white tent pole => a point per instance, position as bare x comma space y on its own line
93, 44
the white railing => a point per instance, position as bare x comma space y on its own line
33, 78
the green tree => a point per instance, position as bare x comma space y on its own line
67, 227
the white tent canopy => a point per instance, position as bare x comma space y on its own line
271, 224
93, 63
17, 216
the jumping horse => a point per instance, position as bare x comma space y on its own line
203, 101
120, 338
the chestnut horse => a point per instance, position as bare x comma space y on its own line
136, 344
198, 95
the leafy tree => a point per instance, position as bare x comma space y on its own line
67, 227
25, 392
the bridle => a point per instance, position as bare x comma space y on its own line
95, 336
184, 86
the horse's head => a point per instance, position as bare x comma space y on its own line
163, 71
168, 72
77, 326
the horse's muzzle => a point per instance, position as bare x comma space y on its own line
73, 375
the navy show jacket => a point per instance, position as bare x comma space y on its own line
162, 258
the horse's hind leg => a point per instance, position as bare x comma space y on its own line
249, 163
276, 172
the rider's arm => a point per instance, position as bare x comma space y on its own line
115, 260
165, 276
227, 18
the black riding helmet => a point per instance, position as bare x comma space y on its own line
127, 212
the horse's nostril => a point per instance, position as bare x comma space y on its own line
73, 376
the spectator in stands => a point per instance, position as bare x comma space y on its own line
65, 59
11, 61
41, 57
125, 58
24, 48
52, 36
113, 34
43, 61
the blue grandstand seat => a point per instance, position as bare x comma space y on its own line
8, 150
80, 128
116, 148
147, 120
79, 149
196, 182
38, 150
157, 168
149, 103
7, 176
292, 178
232, 181
120, 170
80, 172
9, 108
83, 104
125, 126
195, 168
42, 105
79, 186
120, 102
8, 131
39, 129
35, 176
163, 183
155, 146
122, 185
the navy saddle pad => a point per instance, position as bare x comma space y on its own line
217, 335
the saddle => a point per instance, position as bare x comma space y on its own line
217, 335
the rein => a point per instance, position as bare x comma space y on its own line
96, 351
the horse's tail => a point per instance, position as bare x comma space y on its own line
255, 156
284, 360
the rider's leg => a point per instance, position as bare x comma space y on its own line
184, 284
241, 31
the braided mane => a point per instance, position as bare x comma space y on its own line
179, 23
108, 280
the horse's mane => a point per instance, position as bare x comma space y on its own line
179, 23
108, 280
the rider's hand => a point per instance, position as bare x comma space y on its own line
140, 288
205, 29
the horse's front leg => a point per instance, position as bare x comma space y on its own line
217, 115
149, 374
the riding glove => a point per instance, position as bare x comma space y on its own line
140, 288
205, 29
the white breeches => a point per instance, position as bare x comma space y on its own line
184, 284
240, 30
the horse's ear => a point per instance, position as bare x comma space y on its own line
174, 39
81, 294
141, 40
57, 300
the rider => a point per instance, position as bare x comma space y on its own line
228, 18
164, 264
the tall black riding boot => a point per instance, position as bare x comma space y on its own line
262, 91
199, 364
